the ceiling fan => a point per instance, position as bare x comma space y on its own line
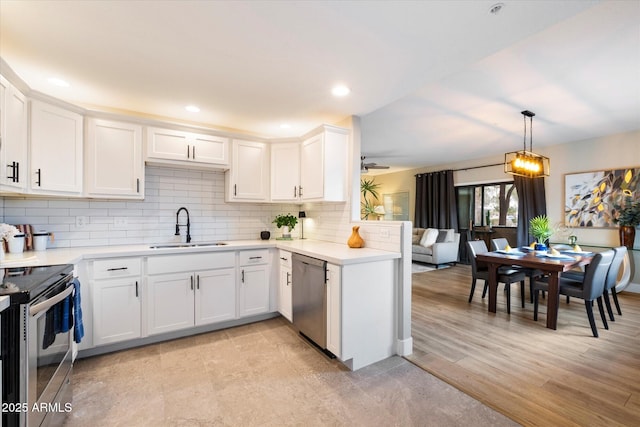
364, 167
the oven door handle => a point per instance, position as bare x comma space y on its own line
46, 305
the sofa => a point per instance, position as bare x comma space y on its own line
435, 246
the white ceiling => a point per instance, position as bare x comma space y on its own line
433, 81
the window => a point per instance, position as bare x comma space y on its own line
488, 204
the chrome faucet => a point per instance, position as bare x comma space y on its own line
188, 224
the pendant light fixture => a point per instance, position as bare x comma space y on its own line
523, 162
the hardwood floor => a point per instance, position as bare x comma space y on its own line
534, 375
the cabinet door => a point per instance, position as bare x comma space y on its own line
55, 150
114, 165
249, 171
254, 290
13, 138
285, 301
215, 296
116, 310
285, 172
334, 310
210, 149
171, 305
167, 144
312, 168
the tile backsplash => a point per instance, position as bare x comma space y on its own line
94, 222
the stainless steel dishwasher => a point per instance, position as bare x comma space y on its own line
310, 298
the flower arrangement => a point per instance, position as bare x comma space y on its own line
8, 231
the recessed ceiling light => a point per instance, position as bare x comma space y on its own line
340, 90
58, 82
192, 109
496, 8
285, 126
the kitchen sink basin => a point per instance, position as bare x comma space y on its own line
186, 245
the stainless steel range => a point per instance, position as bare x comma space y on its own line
36, 335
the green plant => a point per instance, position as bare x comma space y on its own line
285, 220
368, 187
629, 215
539, 228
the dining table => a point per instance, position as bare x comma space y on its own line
551, 265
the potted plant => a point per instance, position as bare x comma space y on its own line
628, 219
540, 229
368, 187
287, 221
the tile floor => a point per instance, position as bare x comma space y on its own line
262, 374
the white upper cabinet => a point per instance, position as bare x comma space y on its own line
285, 172
248, 177
113, 165
55, 150
177, 148
324, 166
13, 138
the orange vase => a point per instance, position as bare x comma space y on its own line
355, 241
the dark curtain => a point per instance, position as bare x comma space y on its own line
531, 202
436, 201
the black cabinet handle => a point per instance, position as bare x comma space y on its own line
283, 258
191, 282
136, 289
288, 278
117, 269
300, 191
235, 188
198, 281
295, 191
13, 167
188, 152
193, 152
39, 181
17, 172
242, 279
255, 257
138, 185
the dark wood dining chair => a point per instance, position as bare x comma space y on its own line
506, 275
590, 289
499, 244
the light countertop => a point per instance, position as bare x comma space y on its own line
339, 254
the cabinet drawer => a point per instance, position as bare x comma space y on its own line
285, 259
260, 256
162, 264
116, 267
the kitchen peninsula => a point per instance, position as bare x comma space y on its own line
135, 294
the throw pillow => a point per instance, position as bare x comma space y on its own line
445, 235
429, 237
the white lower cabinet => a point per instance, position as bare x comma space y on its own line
215, 296
285, 297
254, 288
204, 294
116, 299
334, 310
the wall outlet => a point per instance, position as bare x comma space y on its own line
81, 221
384, 233
120, 221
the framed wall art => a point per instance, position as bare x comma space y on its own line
593, 199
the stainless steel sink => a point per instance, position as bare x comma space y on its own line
186, 245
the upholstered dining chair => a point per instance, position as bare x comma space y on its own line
501, 243
611, 281
590, 289
506, 275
